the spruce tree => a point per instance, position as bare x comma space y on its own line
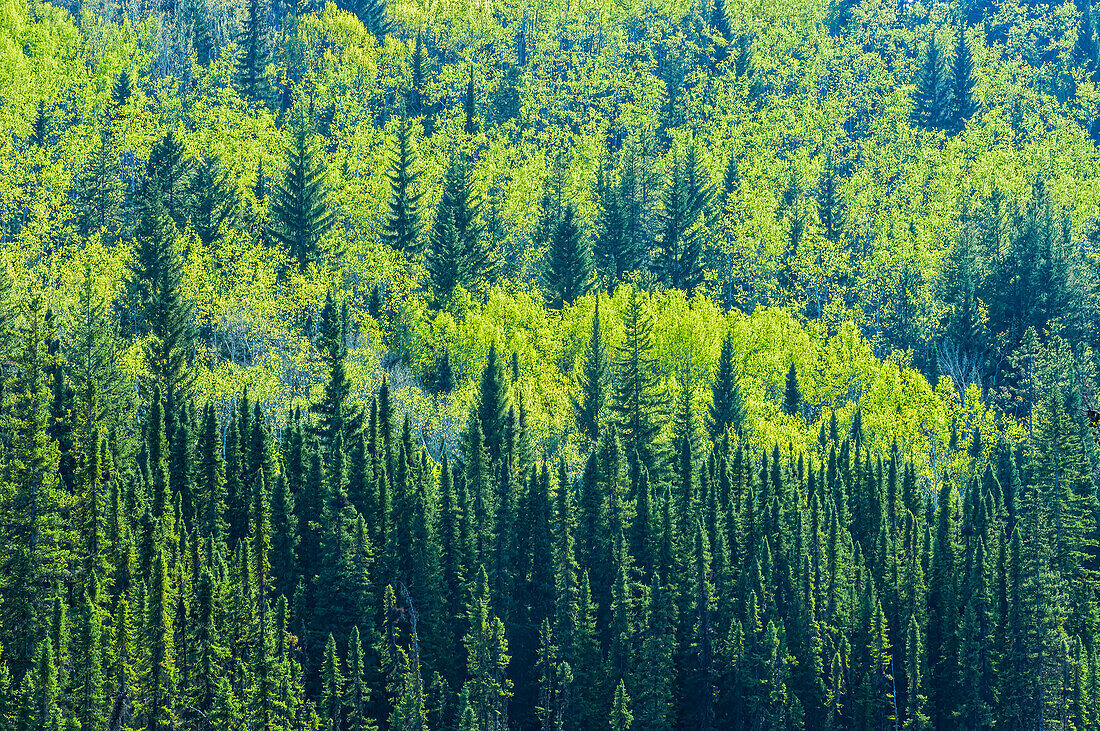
255, 54
1084, 50
610, 237
493, 403
169, 172
402, 226
637, 401
621, 717
372, 13
792, 395
942, 647
727, 408
458, 254
687, 198
98, 191
332, 687
962, 82
486, 658
932, 96
568, 267
31, 500
213, 201
156, 302
593, 382
301, 212
830, 204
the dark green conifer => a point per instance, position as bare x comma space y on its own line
932, 96
301, 213
255, 54
727, 408
402, 226
593, 382
792, 396
568, 268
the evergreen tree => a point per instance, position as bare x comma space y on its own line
493, 403
637, 402
687, 197
402, 226
156, 302
962, 83
251, 76
830, 203
458, 254
932, 96
486, 660
727, 408
98, 192
372, 13
593, 382
568, 270
214, 201
621, 717
332, 687
792, 396
31, 499
300, 209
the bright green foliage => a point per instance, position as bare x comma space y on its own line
264, 463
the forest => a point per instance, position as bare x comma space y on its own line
557, 365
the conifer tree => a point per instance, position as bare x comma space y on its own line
568, 269
916, 719
121, 89
687, 197
458, 254
98, 191
942, 648
932, 96
593, 382
332, 687
402, 226
610, 238
962, 82
300, 209
494, 401
31, 500
830, 204
213, 201
255, 54
486, 660
792, 396
155, 299
637, 402
621, 717
356, 694
372, 13
158, 686
727, 408
719, 20
1084, 50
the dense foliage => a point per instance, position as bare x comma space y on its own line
548, 365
